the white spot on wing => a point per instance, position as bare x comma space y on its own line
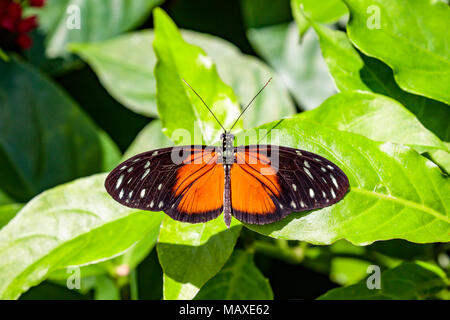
152, 204
124, 167
294, 187
311, 193
147, 164
306, 164
160, 186
145, 174
130, 169
302, 204
119, 182
323, 169
293, 205
334, 181
333, 194
331, 168
308, 173
155, 153
130, 195
142, 193
121, 194
160, 204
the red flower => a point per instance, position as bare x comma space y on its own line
14, 28
26, 25
24, 41
37, 3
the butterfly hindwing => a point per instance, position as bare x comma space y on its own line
184, 182
269, 182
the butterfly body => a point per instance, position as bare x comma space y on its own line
256, 184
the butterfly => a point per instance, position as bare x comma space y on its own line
256, 184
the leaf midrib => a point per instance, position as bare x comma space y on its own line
404, 202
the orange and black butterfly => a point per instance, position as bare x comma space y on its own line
256, 184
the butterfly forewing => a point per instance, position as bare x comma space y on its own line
269, 182
184, 182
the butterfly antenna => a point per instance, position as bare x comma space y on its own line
248, 105
205, 105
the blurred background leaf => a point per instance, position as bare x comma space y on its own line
55, 229
112, 18
239, 279
409, 281
125, 66
300, 65
45, 139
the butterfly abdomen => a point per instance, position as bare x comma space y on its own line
227, 196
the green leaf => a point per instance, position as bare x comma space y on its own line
376, 117
239, 279
301, 66
45, 139
125, 67
3, 55
74, 224
151, 137
343, 61
352, 70
7, 212
191, 254
409, 281
262, 13
111, 152
347, 271
419, 56
394, 191
106, 289
5, 199
178, 60
98, 20
328, 11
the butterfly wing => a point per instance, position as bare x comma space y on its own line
185, 182
269, 182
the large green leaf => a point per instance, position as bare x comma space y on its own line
70, 225
376, 117
239, 279
190, 254
125, 67
409, 281
151, 137
45, 139
352, 70
300, 65
110, 151
394, 191
328, 11
418, 55
99, 20
7, 212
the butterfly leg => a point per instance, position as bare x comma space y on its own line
227, 196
